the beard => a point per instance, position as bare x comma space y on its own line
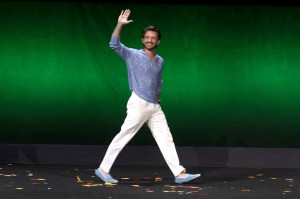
150, 48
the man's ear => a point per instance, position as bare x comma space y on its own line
158, 42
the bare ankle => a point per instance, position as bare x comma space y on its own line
103, 172
182, 173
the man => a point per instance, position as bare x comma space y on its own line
145, 81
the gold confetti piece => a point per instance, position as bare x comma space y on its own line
78, 179
125, 178
92, 185
110, 186
246, 190
7, 175
195, 187
251, 177
287, 191
166, 191
38, 179
108, 183
272, 178
158, 179
149, 191
135, 185
19, 188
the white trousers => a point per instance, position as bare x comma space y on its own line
140, 111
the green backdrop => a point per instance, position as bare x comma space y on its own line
231, 77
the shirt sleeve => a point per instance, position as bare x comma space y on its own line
116, 45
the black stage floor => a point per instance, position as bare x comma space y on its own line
145, 182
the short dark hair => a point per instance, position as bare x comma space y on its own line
151, 28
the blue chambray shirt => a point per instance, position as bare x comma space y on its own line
144, 75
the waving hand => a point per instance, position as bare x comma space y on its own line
123, 18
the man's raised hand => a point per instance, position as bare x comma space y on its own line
123, 18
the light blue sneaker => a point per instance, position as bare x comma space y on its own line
107, 178
187, 178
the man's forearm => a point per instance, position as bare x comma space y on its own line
117, 30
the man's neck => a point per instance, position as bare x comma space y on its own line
150, 53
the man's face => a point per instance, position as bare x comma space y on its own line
150, 40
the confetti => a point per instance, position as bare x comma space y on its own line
135, 185
92, 185
287, 191
158, 179
78, 179
38, 179
246, 190
149, 186
108, 183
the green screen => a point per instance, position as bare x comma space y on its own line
231, 75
